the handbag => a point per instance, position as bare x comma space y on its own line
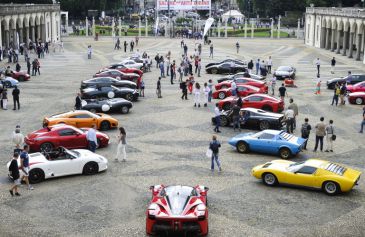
333, 137
209, 153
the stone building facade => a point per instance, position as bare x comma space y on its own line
340, 30
29, 22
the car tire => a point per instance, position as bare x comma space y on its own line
36, 175
269, 179
214, 71
125, 110
285, 153
224, 121
90, 168
7, 84
226, 106
263, 125
129, 97
331, 188
105, 125
359, 101
242, 147
46, 147
221, 95
267, 108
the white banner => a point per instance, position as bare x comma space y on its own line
208, 24
185, 5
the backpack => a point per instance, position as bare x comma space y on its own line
214, 146
305, 130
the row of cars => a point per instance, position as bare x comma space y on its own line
13, 79
355, 86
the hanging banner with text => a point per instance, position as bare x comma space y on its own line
185, 5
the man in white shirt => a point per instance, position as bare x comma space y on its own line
273, 84
217, 114
269, 65
233, 88
289, 117
318, 64
91, 138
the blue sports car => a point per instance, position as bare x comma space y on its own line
268, 141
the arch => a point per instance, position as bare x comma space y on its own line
328, 22
37, 19
340, 24
12, 23
31, 20
324, 22
333, 23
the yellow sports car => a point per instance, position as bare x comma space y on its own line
332, 178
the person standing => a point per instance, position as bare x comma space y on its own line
199, 67
217, 117
320, 133
28, 66
17, 67
237, 47
236, 117
91, 138
336, 94
250, 66
162, 69
197, 95
38, 69
362, 123
282, 92
273, 85
210, 85
17, 138
24, 165
269, 65
142, 86
343, 91
318, 85
214, 146
289, 119
122, 143
89, 51
333, 64
78, 104
294, 107
158, 89
4, 96
34, 67
15, 94
305, 131
206, 94
184, 89
14, 173
329, 136
257, 66
185, 50
172, 72
180, 71
211, 50
318, 65
125, 46
233, 88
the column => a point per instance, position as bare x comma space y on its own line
146, 27
219, 28
245, 27
252, 29
358, 47
113, 28
225, 29
298, 30
272, 29
44, 36
38, 32
333, 32
33, 33
21, 37
338, 41
120, 27
327, 38
7, 38
351, 45
1, 37
27, 35
86, 27
140, 26
323, 37
94, 28
66, 25
279, 21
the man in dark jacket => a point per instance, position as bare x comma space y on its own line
15, 94
184, 88
78, 103
14, 173
28, 66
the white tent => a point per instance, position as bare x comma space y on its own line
233, 13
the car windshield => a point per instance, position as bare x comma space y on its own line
284, 68
295, 167
71, 154
257, 135
177, 196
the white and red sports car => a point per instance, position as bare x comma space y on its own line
63, 162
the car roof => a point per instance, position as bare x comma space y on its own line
273, 132
70, 113
57, 127
263, 95
315, 163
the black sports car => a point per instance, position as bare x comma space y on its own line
255, 118
356, 78
109, 92
229, 60
118, 105
229, 67
284, 72
107, 81
240, 75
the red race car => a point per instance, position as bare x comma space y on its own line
242, 89
245, 81
358, 87
177, 209
20, 76
357, 98
120, 75
48, 138
122, 68
258, 101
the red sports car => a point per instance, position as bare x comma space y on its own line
358, 87
120, 75
245, 81
242, 89
258, 101
48, 138
357, 98
177, 209
122, 68
20, 76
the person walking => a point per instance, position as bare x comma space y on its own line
184, 89
318, 65
185, 50
125, 46
180, 71
269, 65
28, 66
17, 138
236, 117
24, 165
293, 106
191, 83
318, 86
336, 94
217, 118
89, 52
38, 69
250, 66
234, 88
206, 94
34, 67
333, 64
289, 119
330, 132
14, 173
343, 91
257, 66
362, 123
162, 69
199, 67
282, 92
4, 98
273, 84
320, 133
122, 143
91, 138
158, 89
172, 72
197, 95
17, 67
237, 47
210, 85
15, 93
214, 146
211, 50
142, 86
78, 102
305, 131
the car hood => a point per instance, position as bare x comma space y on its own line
335, 79
282, 73
88, 154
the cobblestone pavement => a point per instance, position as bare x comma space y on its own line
167, 140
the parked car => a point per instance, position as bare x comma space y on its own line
255, 118
121, 67
131, 63
9, 82
242, 90
358, 87
116, 105
222, 68
48, 138
20, 76
177, 209
270, 142
63, 162
330, 177
355, 78
258, 101
120, 75
242, 80
357, 98
109, 92
107, 81
229, 60
284, 72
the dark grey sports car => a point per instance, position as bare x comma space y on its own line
107, 81
116, 105
240, 75
284, 72
229, 60
254, 119
109, 92
224, 68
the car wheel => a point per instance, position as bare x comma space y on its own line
221, 95
224, 121
46, 147
214, 71
90, 168
269, 179
359, 101
129, 97
125, 110
267, 108
7, 84
264, 125
331, 188
242, 147
226, 106
36, 176
93, 111
285, 153
105, 125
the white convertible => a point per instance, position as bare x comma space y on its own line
63, 162
129, 63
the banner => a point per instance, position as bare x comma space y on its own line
208, 24
156, 26
185, 5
